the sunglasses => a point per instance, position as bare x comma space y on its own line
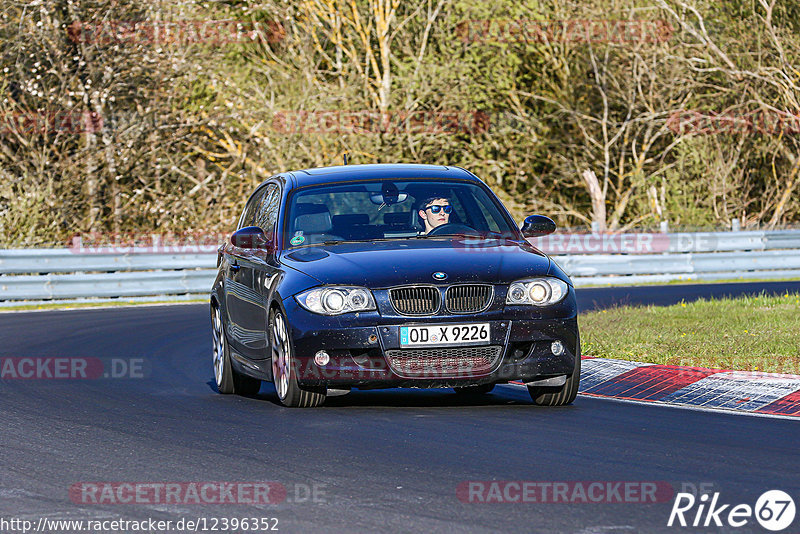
435, 208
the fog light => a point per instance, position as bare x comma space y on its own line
557, 348
321, 358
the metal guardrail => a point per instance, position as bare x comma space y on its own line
29, 261
630, 269
654, 258
120, 284
42, 274
664, 243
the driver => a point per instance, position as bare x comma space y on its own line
434, 212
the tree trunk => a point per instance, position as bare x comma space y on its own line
598, 199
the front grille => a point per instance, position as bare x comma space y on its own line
449, 362
415, 300
468, 298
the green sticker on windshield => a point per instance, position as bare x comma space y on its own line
297, 240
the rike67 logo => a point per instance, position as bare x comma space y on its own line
774, 510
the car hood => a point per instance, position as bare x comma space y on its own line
379, 264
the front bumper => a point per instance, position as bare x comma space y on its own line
365, 352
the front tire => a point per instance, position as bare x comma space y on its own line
284, 368
559, 395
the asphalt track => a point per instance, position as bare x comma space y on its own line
605, 297
381, 461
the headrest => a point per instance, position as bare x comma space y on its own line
306, 208
396, 219
350, 219
312, 218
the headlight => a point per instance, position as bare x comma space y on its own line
537, 291
333, 300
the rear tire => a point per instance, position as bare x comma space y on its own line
284, 367
223, 374
559, 395
470, 391
228, 380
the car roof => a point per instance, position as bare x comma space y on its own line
378, 171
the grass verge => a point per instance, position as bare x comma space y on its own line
760, 333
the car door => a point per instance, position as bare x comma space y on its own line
242, 303
261, 270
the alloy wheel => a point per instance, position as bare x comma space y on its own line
219, 347
281, 356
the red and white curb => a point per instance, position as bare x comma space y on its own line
742, 391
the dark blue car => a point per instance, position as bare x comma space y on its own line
379, 276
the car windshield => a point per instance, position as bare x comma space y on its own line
390, 209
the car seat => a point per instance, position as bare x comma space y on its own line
313, 221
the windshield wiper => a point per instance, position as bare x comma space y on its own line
459, 234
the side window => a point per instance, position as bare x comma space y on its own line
488, 221
267, 214
249, 213
459, 213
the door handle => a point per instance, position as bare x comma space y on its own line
235, 267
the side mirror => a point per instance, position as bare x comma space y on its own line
537, 225
250, 237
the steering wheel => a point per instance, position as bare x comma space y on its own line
452, 229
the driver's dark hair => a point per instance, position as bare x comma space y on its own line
431, 199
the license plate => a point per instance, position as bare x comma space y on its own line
473, 334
